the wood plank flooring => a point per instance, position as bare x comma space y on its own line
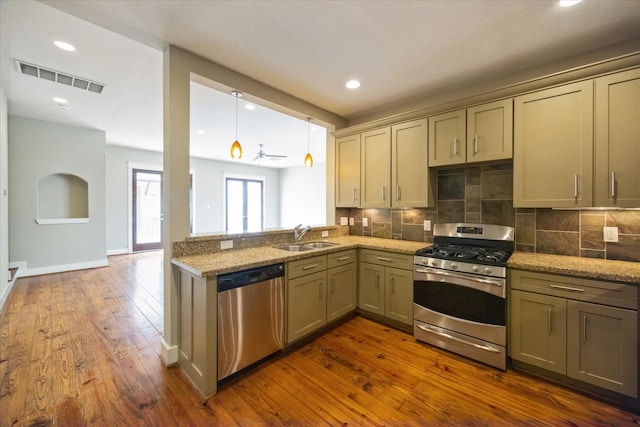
81, 348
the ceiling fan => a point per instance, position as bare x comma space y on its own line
261, 155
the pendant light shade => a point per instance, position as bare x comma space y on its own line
308, 159
236, 148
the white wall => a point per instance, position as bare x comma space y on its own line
4, 202
38, 149
303, 195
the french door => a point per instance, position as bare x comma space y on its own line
244, 205
146, 210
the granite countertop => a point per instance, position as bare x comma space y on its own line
212, 264
589, 268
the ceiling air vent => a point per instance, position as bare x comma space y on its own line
58, 76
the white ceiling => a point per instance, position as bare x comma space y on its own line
402, 51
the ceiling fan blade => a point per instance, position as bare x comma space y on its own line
278, 156
256, 158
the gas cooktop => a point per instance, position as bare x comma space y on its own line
473, 254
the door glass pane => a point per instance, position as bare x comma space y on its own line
148, 207
235, 206
254, 206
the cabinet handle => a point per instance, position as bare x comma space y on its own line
383, 197
383, 259
320, 290
613, 184
550, 321
393, 285
333, 285
475, 144
455, 146
397, 193
344, 258
307, 267
354, 194
377, 281
584, 329
575, 186
566, 288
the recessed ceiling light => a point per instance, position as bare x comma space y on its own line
353, 84
200, 131
65, 46
568, 3
250, 106
59, 100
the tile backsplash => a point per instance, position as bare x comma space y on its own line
484, 194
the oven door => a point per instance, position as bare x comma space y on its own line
474, 306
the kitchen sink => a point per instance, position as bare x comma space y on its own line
319, 245
295, 248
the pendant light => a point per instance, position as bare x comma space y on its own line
236, 148
308, 160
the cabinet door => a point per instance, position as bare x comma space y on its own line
342, 292
538, 330
603, 346
553, 147
617, 145
375, 178
371, 288
447, 139
348, 171
399, 295
490, 131
411, 186
306, 305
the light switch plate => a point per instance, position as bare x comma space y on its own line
226, 244
610, 234
325, 233
365, 222
352, 221
344, 220
427, 225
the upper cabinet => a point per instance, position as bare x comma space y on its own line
375, 174
348, 171
477, 134
412, 183
553, 147
617, 142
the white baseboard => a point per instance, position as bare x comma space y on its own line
26, 272
117, 251
168, 353
3, 297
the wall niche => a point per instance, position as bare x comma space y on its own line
62, 198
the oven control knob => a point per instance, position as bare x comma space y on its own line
487, 270
454, 265
435, 262
475, 268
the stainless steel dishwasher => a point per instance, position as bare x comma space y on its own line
250, 317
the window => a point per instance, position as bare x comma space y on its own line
244, 204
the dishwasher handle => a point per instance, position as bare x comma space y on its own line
248, 277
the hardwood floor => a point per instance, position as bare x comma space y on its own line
81, 348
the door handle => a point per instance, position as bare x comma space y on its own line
613, 184
379, 258
397, 193
550, 321
455, 146
475, 144
383, 195
452, 338
575, 186
307, 267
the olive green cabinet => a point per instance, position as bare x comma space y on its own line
348, 171
617, 147
342, 282
306, 296
375, 173
584, 329
553, 147
386, 285
478, 134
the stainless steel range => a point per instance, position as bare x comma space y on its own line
459, 291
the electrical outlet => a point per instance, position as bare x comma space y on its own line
352, 221
344, 220
325, 233
427, 225
365, 222
610, 234
226, 244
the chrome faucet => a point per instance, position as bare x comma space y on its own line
298, 233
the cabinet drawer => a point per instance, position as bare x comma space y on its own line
302, 267
389, 259
601, 292
341, 258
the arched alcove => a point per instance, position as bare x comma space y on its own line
62, 198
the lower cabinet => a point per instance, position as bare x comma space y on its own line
386, 285
316, 294
569, 326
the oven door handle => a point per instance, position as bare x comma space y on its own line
458, 276
452, 338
